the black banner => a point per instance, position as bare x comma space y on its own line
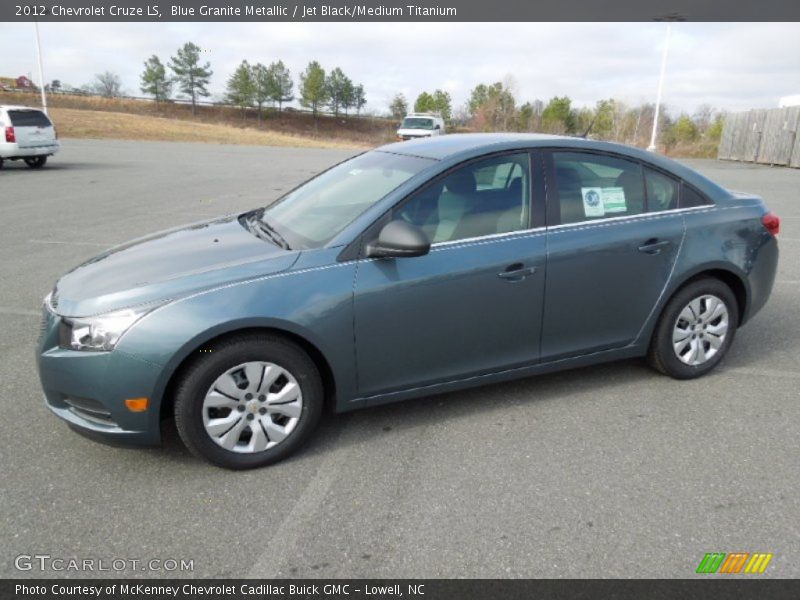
410, 589
398, 10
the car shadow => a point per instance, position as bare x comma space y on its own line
14, 167
411, 414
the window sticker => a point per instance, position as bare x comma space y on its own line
598, 202
614, 200
593, 202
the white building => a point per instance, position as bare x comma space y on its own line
789, 101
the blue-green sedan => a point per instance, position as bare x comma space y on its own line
416, 268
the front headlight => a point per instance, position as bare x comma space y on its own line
99, 333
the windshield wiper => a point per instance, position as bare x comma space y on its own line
259, 225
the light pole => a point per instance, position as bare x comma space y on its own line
652, 146
41, 70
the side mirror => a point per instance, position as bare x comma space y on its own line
399, 239
438, 127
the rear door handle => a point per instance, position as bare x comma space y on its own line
653, 246
516, 272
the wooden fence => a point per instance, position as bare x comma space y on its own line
766, 136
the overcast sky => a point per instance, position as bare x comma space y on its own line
733, 66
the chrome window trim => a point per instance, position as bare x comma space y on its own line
491, 236
522, 232
644, 215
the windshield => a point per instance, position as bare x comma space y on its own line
417, 123
312, 215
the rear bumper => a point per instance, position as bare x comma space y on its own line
762, 275
13, 152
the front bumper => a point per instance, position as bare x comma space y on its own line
88, 389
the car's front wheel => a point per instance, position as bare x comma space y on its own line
695, 330
248, 401
37, 162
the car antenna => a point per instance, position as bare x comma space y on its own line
588, 129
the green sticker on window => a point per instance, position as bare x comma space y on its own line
614, 200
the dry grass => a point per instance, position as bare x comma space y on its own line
287, 128
75, 123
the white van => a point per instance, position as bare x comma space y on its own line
28, 134
419, 125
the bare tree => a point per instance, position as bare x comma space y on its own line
107, 84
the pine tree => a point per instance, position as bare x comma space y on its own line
241, 89
155, 82
191, 76
313, 91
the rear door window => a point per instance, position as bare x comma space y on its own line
662, 191
28, 118
596, 186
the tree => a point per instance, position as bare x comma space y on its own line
424, 103
241, 89
282, 84
684, 129
442, 104
107, 84
191, 76
55, 86
399, 106
348, 94
359, 98
703, 117
263, 86
313, 91
714, 130
155, 82
493, 107
336, 83
557, 116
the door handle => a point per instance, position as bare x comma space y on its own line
653, 246
516, 272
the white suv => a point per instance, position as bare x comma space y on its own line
418, 125
26, 133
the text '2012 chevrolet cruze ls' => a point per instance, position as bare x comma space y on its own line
416, 268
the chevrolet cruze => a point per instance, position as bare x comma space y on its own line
416, 268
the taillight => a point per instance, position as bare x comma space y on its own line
55, 132
772, 223
10, 137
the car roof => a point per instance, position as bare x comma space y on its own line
18, 107
452, 148
444, 146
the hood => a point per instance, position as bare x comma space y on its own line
168, 265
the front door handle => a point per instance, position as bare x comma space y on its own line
516, 272
653, 246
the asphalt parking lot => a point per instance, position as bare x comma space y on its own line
607, 471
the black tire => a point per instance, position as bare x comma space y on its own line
663, 357
37, 162
1, 163
216, 359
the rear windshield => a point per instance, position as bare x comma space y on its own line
28, 118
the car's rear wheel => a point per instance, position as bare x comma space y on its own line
37, 162
248, 401
695, 330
